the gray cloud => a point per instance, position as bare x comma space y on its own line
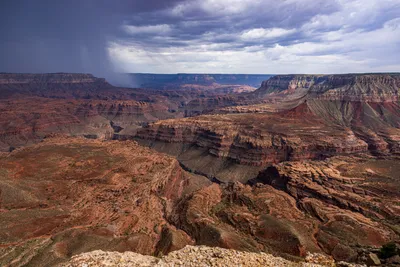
259, 36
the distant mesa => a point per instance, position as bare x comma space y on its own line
349, 87
166, 80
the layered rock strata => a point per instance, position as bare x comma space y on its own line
84, 195
316, 129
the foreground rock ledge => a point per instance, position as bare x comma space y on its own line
194, 256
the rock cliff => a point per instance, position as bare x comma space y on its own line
34, 105
288, 89
346, 87
42, 84
316, 129
28, 120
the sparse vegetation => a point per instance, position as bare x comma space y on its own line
389, 250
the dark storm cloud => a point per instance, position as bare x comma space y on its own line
64, 36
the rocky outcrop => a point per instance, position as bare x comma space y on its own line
193, 256
348, 195
288, 84
301, 172
330, 181
34, 105
99, 109
364, 87
342, 206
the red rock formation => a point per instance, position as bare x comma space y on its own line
26, 120
87, 106
51, 84
348, 195
307, 117
315, 129
289, 89
64, 196
334, 206
326, 147
35, 105
70, 195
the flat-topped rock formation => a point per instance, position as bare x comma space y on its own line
285, 90
30, 119
345, 87
46, 78
49, 84
171, 80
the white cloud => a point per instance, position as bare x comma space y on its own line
261, 33
228, 6
361, 36
214, 7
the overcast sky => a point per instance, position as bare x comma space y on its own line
208, 36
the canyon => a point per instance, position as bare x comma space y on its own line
303, 164
34, 105
86, 194
307, 117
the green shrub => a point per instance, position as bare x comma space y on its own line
388, 250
